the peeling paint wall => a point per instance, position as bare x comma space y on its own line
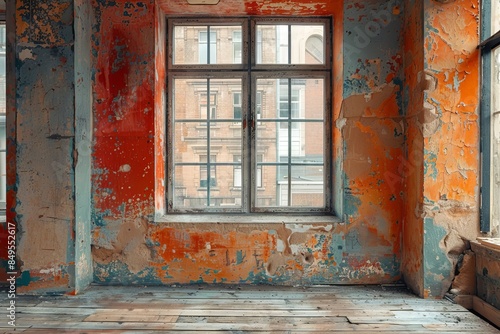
44, 176
129, 248
451, 146
412, 164
405, 150
371, 122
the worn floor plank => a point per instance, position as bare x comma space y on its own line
246, 309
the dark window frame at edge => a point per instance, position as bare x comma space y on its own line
490, 42
328, 165
3, 21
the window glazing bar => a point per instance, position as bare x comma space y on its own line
289, 128
209, 101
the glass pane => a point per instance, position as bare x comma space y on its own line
267, 193
188, 193
224, 101
237, 174
207, 45
188, 96
313, 142
314, 97
495, 16
190, 141
272, 44
495, 141
307, 46
297, 100
195, 188
228, 193
307, 186
267, 89
225, 140
267, 140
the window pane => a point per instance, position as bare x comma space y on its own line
299, 100
237, 47
273, 44
495, 16
273, 40
237, 105
225, 140
227, 196
194, 45
203, 125
188, 96
307, 44
188, 191
307, 186
495, 152
208, 174
237, 181
186, 133
267, 195
204, 45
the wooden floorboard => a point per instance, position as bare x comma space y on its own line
245, 309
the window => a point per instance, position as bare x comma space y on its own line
490, 118
252, 119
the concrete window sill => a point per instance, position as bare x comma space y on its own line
249, 219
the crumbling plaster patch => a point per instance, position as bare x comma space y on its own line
451, 165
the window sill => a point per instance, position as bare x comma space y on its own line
255, 218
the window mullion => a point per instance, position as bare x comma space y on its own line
289, 44
248, 149
249, 135
209, 165
289, 142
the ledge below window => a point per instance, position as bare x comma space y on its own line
256, 218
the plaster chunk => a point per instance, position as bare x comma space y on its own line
454, 244
465, 282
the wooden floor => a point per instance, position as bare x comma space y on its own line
240, 309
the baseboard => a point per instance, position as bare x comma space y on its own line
486, 310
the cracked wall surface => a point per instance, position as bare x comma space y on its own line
43, 151
128, 247
405, 150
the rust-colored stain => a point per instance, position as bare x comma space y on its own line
214, 257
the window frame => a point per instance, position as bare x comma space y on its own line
3, 124
249, 70
490, 43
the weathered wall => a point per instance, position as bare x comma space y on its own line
411, 166
451, 144
371, 122
44, 134
129, 248
396, 163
